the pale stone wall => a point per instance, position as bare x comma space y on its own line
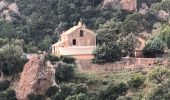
87, 40
126, 64
79, 50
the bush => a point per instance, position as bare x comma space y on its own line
10, 59
51, 58
64, 72
31, 48
51, 91
66, 90
112, 92
81, 88
68, 59
79, 96
136, 81
106, 53
161, 92
154, 48
36, 97
159, 74
8, 95
4, 85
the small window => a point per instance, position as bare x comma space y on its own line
81, 33
74, 42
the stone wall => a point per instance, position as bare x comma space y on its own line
126, 64
88, 38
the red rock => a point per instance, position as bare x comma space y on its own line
36, 77
129, 5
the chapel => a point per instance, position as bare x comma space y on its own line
78, 41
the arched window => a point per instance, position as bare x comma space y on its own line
81, 33
74, 41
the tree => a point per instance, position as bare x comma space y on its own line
10, 59
154, 48
132, 24
106, 53
31, 48
165, 35
108, 32
128, 44
46, 43
159, 74
3, 41
64, 72
165, 5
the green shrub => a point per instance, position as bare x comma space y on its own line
4, 85
10, 59
161, 92
8, 95
68, 59
136, 81
154, 48
51, 91
66, 90
64, 72
81, 88
51, 58
159, 74
79, 96
36, 97
106, 53
112, 92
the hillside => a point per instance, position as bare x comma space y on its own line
121, 29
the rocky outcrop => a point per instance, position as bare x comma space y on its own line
130, 5
143, 9
163, 15
110, 2
36, 77
7, 9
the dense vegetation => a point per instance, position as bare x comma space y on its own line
40, 23
135, 85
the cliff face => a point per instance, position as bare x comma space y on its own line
7, 9
110, 2
129, 5
35, 78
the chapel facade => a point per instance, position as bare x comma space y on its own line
78, 41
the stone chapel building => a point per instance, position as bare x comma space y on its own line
78, 41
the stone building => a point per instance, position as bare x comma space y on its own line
78, 42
